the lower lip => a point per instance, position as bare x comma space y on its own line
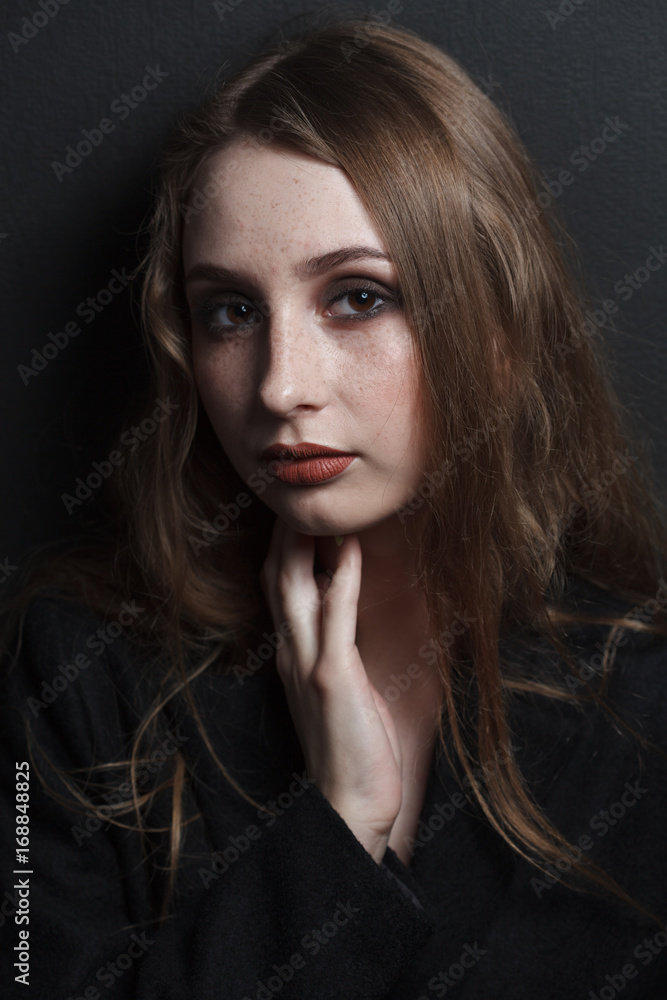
309, 471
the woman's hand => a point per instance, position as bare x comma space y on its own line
347, 734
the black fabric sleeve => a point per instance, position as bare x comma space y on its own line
306, 907
306, 912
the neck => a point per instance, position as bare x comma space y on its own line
388, 573
391, 614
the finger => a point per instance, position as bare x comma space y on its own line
276, 559
341, 600
298, 596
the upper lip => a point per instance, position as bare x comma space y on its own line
305, 449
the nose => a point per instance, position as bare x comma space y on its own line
293, 363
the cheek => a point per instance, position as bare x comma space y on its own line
218, 390
399, 409
394, 395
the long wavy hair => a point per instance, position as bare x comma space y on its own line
523, 490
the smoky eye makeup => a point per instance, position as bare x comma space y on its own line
227, 312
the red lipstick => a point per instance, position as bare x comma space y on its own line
306, 464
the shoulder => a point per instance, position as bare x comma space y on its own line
638, 655
77, 671
74, 674
614, 630
59, 629
553, 731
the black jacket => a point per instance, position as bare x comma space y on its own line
293, 906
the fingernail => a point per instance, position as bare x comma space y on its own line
339, 540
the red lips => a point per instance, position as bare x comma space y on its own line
306, 464
303, 450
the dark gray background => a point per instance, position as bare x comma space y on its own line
558, 76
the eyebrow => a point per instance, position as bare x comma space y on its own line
311, 267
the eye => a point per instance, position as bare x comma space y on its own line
227, 314
236, 315
239, 312
361, 299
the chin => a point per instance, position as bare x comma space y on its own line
332, 518
313, 524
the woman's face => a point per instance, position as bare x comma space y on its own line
292, 343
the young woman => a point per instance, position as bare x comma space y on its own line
362, 693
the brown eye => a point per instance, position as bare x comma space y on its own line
218, 315
359, 303
362, 300
238, 312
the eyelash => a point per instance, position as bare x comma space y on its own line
204, 310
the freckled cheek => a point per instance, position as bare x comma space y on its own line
390, 399
391, 378
218, 385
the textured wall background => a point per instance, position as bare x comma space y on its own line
559, 69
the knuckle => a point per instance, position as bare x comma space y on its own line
344, 574
320, 678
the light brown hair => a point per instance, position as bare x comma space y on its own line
526, 502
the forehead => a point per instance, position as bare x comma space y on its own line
273, 201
